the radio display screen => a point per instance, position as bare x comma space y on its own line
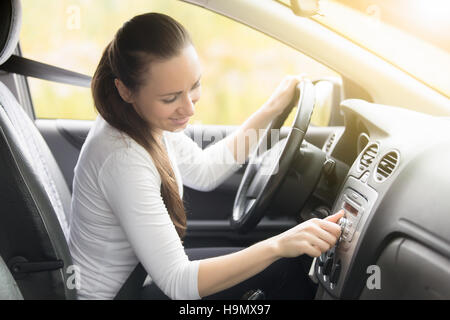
350, 208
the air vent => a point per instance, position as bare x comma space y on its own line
386, 166
367, 157
330, 142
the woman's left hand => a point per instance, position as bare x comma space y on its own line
282, 95
239, 142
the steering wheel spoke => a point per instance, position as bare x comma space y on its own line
257, 184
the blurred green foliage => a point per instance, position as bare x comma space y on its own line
241, 66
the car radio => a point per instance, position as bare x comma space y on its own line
357, 200
353, 205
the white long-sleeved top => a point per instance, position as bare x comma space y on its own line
119, 218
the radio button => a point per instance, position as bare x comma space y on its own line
336, 273
328, 265
321, 260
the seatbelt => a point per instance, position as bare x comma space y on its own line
131, 289
31, 68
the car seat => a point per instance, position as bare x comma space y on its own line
34, 197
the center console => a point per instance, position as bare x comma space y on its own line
330, 269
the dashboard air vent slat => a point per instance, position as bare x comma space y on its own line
367, 157
386, 166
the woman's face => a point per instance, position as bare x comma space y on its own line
172, 87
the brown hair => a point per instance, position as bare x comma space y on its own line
144, 38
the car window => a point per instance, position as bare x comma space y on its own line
241, 66
413, 35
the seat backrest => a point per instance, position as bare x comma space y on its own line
34, 197
8, 287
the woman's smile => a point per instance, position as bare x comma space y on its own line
180, 121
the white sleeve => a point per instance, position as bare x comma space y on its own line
131, 183
200, 169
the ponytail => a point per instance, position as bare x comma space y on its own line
123, 59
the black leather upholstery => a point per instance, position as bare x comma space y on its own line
34, 198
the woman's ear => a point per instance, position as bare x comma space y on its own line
124, 92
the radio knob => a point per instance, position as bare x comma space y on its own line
343, 222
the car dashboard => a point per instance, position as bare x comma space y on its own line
395, 240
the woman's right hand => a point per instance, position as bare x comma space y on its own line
312, 237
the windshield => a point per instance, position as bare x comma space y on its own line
413, 35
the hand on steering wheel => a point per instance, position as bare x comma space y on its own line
267, 170
282, 98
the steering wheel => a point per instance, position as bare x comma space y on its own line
269, 164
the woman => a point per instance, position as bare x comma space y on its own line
127, 192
